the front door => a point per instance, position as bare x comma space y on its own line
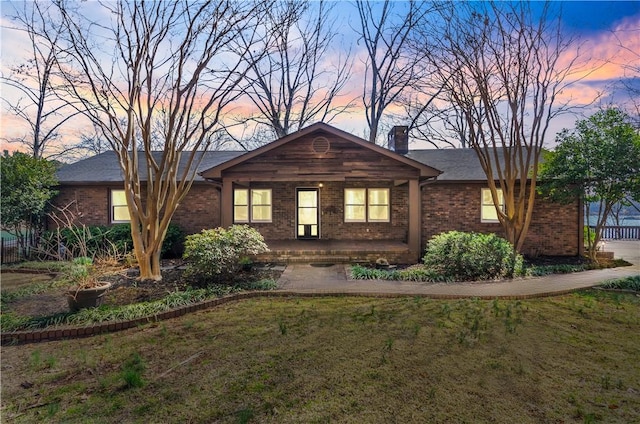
308, 222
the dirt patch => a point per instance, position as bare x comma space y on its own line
40, 305
15, 280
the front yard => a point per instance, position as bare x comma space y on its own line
565, 359
35, 301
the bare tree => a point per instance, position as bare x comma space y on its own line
296, 78
432, 118
157, 73
91, 144
629, 82
441, 126
38, 106
391, 67
501, 67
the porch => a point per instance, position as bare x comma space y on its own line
336, 251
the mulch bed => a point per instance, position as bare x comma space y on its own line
127, 290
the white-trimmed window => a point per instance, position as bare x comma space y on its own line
261, 205
119, 209
488, 211
366, 205
252, 205
355, 205
241, 205
378, 205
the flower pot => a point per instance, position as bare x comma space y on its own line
87, 298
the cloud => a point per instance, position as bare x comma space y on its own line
605, 58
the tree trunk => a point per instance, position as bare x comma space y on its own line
602, 220
147, 252
149, 264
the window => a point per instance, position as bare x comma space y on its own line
241, 205
355, 204
252, 205
261, 205
488, 209
119, 209
378, 205
366, 205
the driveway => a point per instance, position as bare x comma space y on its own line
629, 250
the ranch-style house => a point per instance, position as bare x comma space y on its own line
322, 193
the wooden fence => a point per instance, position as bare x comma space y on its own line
614, 232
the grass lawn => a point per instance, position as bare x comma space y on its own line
573, 358
11, 281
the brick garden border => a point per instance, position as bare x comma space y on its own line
51, 334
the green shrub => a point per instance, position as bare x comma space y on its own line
120, 236
98, 240
628, 283
414, 273
472, 256
542, 270
173, 245
215, 254
71, 242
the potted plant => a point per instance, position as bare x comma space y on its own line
87, 292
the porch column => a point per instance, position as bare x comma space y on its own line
226, 203
414, 239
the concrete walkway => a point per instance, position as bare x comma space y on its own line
629, 250
304, 278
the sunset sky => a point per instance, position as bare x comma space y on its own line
609, 33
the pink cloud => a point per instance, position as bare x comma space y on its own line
604, 59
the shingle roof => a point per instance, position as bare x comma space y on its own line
455, 164
104, 168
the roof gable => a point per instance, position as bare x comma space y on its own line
319, 140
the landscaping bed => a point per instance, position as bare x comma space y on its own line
533, 267
43, 303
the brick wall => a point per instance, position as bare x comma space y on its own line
332, 225
199, 210
554, 228
90, 204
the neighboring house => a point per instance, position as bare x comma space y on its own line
324, 185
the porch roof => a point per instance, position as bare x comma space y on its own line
424, 170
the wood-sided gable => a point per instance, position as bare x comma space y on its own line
320, 153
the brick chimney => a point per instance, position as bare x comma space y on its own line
398, 139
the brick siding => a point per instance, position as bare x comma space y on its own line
90, 205
554, 228
332, 225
